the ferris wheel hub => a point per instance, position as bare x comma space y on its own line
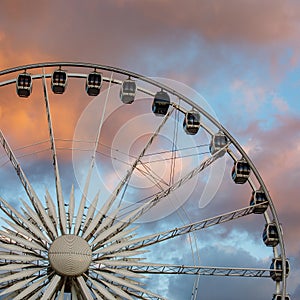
70, 255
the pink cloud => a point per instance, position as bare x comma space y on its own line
276, 155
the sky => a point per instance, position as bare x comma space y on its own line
241, 56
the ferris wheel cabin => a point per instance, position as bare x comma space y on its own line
59, 81
24, 85
276, 267
93, 83
270, 235
161, 103
218, 141
191, 122
128, 91
240, 171
279, 297
259, 198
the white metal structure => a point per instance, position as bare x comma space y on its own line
52, 249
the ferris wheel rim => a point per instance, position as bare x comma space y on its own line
188, 101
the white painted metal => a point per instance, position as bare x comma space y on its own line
123, 272
12, 266
16, 248
34, 218
82, 202
125, 283
71, 209
60, 200
118, 291
33, 287
62, 291
97, 227
115, 239
90, 213
20, 275
18, 257
123, 254
19, 219
51, 288
84, 288
111, 238
51, 208
28, 188
74, 292
18, 285
99, 288
22, 240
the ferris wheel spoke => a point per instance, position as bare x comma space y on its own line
33, 218
144, 208
20, 275
110, 201
74, 291
125, 283
101, 291
60, 200
33, 289
16, 248
149, 174
23, 225
84, 288
152, 268
62, 290
178, 231
116, 289
15, 266
97, 226
34, 199
144, 295
122, 272
83, 200
21, 241
112, 228
125, 253
12, 257
121, 237
15, 244
71, 210
51, 288
51, 208
90, 213
18, 285
99, 288
124, 181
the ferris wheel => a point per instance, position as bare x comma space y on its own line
141, 152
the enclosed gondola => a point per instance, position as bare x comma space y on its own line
279, 297
161, 103
218, 141
191, 122
241, 171
93, 83
59, 80
260, 201
24, 85
270, 235
276, 267
128, 91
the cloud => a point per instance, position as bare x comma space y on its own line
220, 47
228, 287
280, 104
216, 20
275, 152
